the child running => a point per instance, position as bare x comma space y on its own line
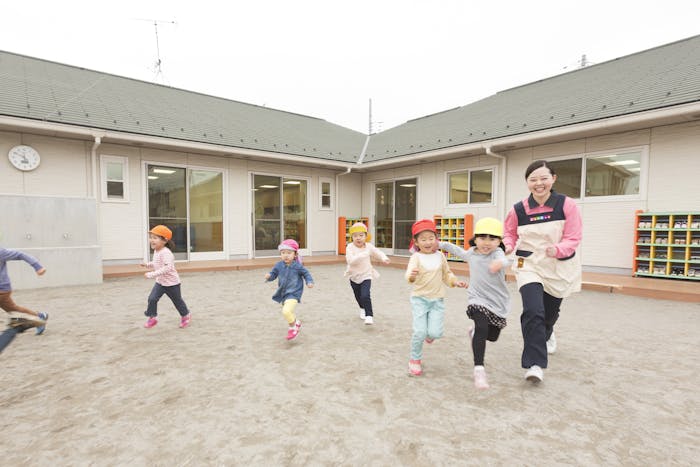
488, 297
291, 275
358, 255
167, 278
428, 271
6, 302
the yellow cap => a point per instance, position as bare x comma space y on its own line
489, 226
358, 227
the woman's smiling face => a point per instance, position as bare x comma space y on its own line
540, 182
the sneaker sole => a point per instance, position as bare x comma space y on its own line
533, 379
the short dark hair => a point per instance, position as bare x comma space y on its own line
536, 165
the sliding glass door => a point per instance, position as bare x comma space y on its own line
279, 212
190, 203
394, 214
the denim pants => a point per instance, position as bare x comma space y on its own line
362, 295
173, 292
428, 321
540, 312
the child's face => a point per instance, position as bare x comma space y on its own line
426, 241
288, 255
157, 242
485, 244
359, 238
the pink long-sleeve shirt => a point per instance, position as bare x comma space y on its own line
163, 266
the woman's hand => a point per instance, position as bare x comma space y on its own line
551, 251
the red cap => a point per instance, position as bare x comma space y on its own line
423, 225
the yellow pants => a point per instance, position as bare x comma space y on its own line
288, 308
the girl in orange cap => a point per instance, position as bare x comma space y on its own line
429, 272
167, 278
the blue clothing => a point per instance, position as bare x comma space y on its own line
428, 321
291, 280
11, 255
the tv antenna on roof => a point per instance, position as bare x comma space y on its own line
158, 68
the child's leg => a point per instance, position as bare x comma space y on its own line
288, 308
365, 300
173, 292
156, 292
420, 326
494, 332
356, 289
436, 319
481, 332
7, 304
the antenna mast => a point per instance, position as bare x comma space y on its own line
159, 62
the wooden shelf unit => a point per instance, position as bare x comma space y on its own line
456, 230
667, 245
344, 224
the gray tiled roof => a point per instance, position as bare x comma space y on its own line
660, 77
43, 90
48, 91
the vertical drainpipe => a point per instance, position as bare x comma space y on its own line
96, 191
502, 196
337, 180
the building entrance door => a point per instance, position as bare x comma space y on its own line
394, 214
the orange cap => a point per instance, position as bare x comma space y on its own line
162, 231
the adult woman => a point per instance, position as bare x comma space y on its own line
546, 227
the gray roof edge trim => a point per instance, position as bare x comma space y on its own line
647, 116
117, 137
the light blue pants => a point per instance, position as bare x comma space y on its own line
428, 321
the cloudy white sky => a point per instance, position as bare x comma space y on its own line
327, 58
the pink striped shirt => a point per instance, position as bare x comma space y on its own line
163, 266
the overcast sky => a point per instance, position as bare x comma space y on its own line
327, 58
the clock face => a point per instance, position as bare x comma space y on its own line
24, 157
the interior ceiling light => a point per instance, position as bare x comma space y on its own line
408, 185
153, 177
626, 162
267, 186
292, 182
163, 171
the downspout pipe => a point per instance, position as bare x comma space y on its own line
93, 155
504, 167
337, 189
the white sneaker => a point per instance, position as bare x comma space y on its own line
369, 320
362, 313
534, 374
480, 381
552, 344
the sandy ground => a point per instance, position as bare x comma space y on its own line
99, 389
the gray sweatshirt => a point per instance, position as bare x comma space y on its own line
485, 289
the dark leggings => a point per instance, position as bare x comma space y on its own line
362, 295
540, 312
173, 292
483, 331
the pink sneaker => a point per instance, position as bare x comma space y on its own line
414, 367
294, 331
150, 323
185, 320
429, 340
480, 381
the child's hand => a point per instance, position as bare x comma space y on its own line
386, 261
461, 284
143, 265
412, 275
495, 266
267, 276
311, 285
145, 274
41, 272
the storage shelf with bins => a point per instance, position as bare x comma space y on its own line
456, 230
344, 224
667, 244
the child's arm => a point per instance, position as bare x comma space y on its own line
499, 262
448, 276
457, 251
272, 275
412, 268
377, 254
307, 276
14, 255
168, 266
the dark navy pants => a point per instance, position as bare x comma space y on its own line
362, 295
540, 312
173, 292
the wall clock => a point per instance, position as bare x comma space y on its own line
24, 157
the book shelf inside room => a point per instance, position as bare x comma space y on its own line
667, 244
344, 224
456, 230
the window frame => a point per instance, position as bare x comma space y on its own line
494, 188
321, 181
584, 156
106, 159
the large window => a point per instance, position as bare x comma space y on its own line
615, 173
115, 182
471, 186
